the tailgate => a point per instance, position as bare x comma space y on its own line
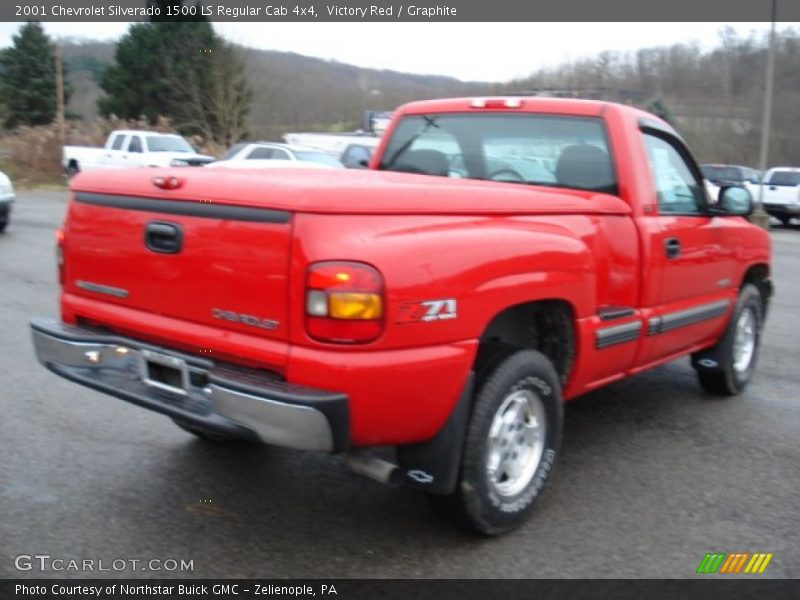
214, 264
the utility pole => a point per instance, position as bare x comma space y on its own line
759, 216
60, 119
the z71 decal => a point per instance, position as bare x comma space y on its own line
427, 310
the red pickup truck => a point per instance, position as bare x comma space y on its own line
500, 256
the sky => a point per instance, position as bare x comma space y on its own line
467, 51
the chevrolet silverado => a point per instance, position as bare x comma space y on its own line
499, 257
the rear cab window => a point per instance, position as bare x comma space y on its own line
529, 149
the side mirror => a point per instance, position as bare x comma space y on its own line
734, 200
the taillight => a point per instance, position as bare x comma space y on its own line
496, 103
60, 255
344, 302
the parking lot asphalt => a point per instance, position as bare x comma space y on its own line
653, 474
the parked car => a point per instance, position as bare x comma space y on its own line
133, 148
6, 200
736, 174
782, 193
716, 175
277, 151
445, 302
354, 149
333, 143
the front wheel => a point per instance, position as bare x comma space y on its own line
512, 441
728, 367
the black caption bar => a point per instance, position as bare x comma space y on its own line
424, 10
708, 588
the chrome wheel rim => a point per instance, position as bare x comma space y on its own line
744, 341
515, 442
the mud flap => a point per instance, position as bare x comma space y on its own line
433, 465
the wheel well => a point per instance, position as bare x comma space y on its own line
758, 275
544, 325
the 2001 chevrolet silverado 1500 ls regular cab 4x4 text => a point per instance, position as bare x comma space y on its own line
499, 257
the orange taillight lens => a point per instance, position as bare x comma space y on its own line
344, 302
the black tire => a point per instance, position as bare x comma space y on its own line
203, 434
785, 221
3, 224
717, 368
477, 502
72, 170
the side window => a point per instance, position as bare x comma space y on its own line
261, 153
677, 189
117, 143
135, 145
279, 154
785, 178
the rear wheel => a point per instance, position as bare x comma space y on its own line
511, 445
785, 221
728, 367
3, 224
72, 170
203, 434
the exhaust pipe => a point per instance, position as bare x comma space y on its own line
363, 463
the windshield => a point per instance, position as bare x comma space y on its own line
789, 178
319, 157
722, 173
233, 151
168, 143
521, 148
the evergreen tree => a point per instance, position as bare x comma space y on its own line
28, 82
181, 70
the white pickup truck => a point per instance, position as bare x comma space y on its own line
133, 148
782, 193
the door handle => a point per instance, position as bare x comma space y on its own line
164, 238
672, 247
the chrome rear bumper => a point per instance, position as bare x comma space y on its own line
216, 398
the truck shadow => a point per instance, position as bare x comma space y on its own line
310, 515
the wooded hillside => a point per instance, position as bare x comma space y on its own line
714, 97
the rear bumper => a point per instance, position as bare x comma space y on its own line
220, 399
